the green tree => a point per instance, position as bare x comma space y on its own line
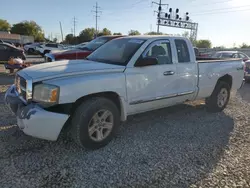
154, 33
54, 40
29, 28
134, 32
244, 45
86, 35
203, 44
4, 25
69, 39
117, 33
105, 31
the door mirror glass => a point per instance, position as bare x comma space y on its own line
146, 61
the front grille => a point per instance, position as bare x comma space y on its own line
21, 86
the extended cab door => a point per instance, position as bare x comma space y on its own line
187, 69
152, 87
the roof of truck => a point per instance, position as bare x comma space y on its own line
146, 37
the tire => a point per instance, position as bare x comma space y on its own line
212, 103
31, 51
83, 119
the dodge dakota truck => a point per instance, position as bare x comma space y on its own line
89, 98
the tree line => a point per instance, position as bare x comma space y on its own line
31, 28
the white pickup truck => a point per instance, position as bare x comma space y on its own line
126, 76
49, 47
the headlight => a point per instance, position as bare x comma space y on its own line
46, 93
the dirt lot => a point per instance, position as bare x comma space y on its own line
182, 146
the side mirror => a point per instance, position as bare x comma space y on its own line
146, 61
245, 59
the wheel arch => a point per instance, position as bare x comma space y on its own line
113, 96
226, 78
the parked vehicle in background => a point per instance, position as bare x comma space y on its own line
30, 48
81, 51
125, 76
247, 71
47, 48
8, 51
231, 54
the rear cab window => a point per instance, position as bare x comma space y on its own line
51, 45
182, 51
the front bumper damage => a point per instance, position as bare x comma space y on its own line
32, 119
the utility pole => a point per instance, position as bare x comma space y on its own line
74, 23
61, 30
159, 13
96, 12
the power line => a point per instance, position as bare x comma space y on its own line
221, 12
220, 9
74, 25
127, 8
61, 31
158, 13
96, 11
220, 2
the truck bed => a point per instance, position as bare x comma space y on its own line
211, 69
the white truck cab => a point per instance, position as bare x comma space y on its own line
126, 76
47, 48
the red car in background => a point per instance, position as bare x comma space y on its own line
80, 52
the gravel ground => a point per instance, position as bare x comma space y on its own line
182, 146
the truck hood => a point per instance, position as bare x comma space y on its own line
63, 68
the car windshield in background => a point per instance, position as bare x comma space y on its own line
118, 51
223, 55
94, 44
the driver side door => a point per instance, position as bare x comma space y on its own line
154, 86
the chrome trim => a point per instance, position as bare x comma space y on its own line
161, 98
185, 93
28, 89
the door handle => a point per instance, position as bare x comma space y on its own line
168, 73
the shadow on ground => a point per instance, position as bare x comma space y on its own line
244, 92
172, 147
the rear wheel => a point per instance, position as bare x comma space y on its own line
31, 50
95, 123
219, 98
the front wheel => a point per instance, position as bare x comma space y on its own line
31, 51
219, 98
95, 123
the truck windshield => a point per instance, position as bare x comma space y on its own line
118, 51
94, 44
222, 55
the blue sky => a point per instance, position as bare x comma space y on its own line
224, 22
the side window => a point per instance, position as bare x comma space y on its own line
242, 56
235, 56
161, 51
51, 45
182, 51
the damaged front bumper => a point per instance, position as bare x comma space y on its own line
34, 120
